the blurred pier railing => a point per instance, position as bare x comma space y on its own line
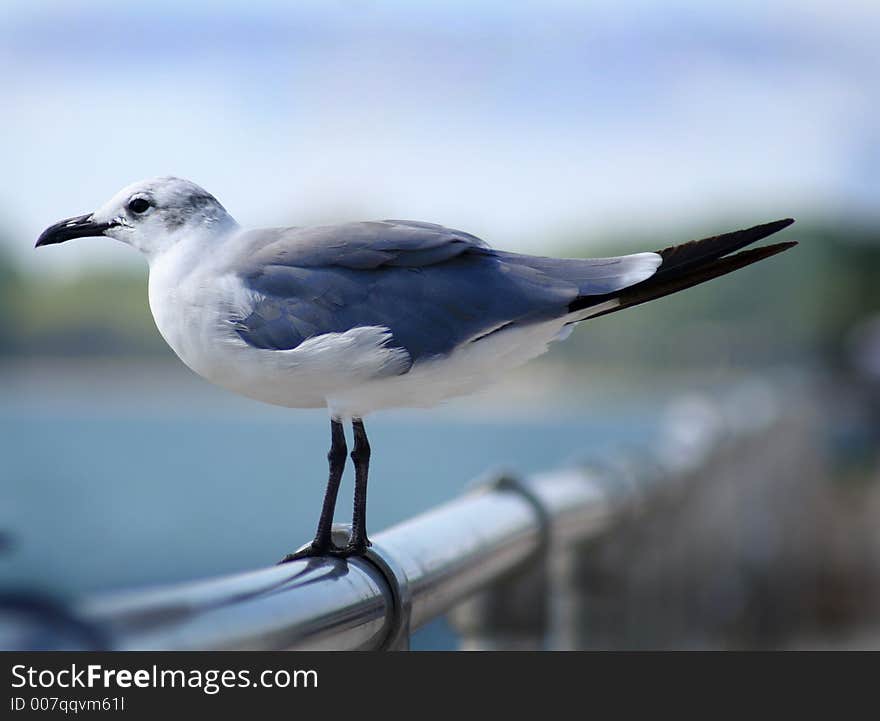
520, 563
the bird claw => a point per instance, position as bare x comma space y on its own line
313, 551
301, 554
352, 549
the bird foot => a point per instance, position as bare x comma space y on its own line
315, 551
352, 549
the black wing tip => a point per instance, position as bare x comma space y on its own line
759, 232
778, 247
718, 246
774, 226
753, 255
658, 286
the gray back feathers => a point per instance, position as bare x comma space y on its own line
433, 287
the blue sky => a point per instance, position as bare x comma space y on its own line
516, 121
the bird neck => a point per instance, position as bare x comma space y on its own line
191, 241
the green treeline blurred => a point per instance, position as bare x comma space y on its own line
98, 314
799, 305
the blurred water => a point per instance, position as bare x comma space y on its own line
109, 487
95, 495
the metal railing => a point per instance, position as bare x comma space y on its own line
502, 540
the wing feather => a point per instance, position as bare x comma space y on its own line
434, 288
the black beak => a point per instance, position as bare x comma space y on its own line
81, 226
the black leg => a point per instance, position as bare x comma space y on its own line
361, 457
336, 456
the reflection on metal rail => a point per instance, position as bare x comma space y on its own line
416, 570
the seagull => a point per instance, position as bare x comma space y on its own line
364, 316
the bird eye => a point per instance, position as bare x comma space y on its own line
138, 205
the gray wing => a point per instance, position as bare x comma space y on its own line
434, 288
366, 246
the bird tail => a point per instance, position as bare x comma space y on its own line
686, 265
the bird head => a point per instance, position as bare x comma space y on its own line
150, 215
